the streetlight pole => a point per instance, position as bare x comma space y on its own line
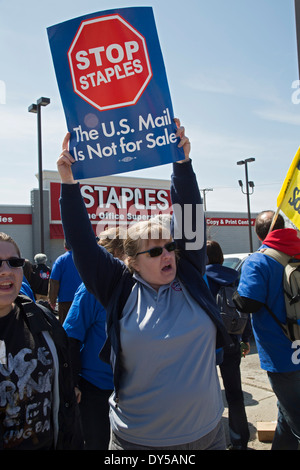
249, 184
36, 108
204, 191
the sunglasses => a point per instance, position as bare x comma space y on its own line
13, 262
157, 250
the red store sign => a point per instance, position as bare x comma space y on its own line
15, 219
112, 205
228, 222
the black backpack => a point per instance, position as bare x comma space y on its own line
234, 320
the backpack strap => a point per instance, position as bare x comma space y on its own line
36, 316
279, 256
283, 259
282, 326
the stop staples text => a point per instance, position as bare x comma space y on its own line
104, 52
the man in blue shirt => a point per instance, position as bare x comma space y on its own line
63, 283
260, 285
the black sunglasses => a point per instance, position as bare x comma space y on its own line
13, 262
157, 250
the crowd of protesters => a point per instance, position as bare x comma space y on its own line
128, 358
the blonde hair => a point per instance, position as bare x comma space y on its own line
112, 240
152, 229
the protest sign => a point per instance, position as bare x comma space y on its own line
288, 200
113, 85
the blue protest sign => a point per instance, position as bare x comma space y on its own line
113, 85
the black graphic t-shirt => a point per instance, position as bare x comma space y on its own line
26, 378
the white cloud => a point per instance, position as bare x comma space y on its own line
18, 124
280, 114
236, 84
208, 84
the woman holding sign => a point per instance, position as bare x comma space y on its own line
163, 326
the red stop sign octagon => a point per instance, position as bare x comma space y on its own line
109, 63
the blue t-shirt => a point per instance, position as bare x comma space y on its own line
261, 280
86, 321
65, 272
26, 289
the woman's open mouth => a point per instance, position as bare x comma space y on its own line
4, 286
167, 268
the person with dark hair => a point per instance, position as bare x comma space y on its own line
27, 270
263, 222
63, 282
217, 276
214, 253
261, 288
26, 286
38, 408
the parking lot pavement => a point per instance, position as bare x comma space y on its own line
260, 401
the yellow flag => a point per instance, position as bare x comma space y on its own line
288, 200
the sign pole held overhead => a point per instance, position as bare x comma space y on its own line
297, 16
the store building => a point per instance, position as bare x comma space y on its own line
110, 201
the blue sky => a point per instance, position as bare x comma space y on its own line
231, 68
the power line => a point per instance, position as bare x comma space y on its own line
233, 187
